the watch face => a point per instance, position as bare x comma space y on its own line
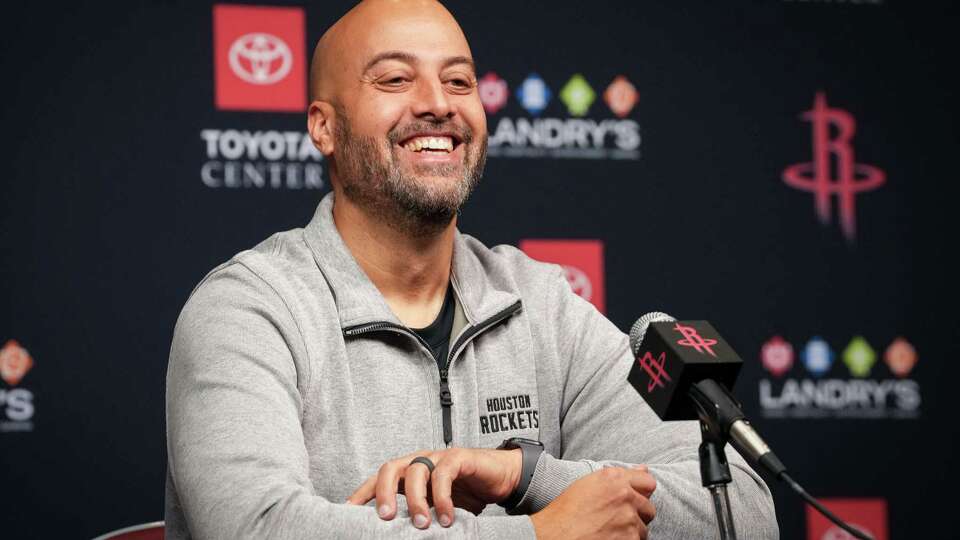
514, 442
521, 440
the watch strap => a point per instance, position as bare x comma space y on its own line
531, 451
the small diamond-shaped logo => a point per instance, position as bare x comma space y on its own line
534, 94
493, 92
621, 96
777, 356
15, 362
859, 357
817, 356
900, 357
577, 95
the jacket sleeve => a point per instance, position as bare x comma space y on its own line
604, 422
237, 462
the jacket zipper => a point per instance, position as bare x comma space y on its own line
446, 398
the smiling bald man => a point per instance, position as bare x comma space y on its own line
379, 374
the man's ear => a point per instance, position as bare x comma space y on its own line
320, 124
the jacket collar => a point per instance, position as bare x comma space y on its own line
482, 284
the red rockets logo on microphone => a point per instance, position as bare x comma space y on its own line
670, 356
654, 368
691, 338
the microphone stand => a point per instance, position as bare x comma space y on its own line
714, 469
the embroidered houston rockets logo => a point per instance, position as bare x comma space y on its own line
509, 413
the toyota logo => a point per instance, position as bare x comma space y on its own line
260, 58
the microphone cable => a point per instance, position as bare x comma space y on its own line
820, 508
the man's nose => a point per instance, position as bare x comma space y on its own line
431, 100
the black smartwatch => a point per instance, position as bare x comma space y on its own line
531, 450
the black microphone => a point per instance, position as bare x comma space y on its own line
683, 371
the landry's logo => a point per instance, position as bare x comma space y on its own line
259, 58
823, 392
691, 338
587, 133
582, 263
654, 369
16, 403
819, 177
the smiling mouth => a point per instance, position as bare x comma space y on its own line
431, 144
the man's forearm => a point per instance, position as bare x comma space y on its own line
684, 509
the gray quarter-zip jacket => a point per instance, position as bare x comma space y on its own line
291, 381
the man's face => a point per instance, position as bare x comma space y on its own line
411, 131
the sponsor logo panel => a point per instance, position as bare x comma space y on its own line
259, 58
570, 126
241, 158
582, 262
856, 387
16, 403
260, 65
866, 515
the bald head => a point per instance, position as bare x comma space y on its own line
395, 109
373, 27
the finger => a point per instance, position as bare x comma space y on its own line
646, 510
643, 533
415, 481
643, 482
364, 493
386, 487
441, 482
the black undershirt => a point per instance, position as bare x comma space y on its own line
437, 335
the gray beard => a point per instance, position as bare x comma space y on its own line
380, 187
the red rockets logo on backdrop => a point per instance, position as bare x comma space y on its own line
867, 515
259, 58
834, 170
582, 261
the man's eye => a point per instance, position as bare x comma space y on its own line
394, 81
461, 83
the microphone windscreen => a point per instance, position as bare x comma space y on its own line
639, 328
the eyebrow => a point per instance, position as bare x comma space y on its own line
412, 59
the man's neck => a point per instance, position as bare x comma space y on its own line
411, 271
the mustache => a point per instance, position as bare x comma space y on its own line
431, 127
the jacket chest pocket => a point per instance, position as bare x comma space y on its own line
508, 403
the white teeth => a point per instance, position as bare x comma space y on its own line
430, 143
